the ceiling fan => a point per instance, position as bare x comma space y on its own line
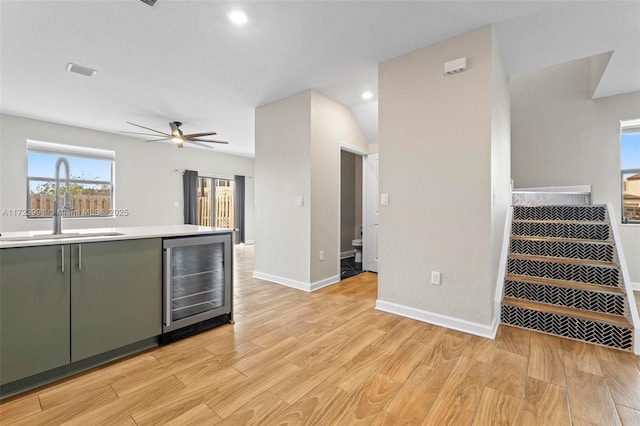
176, 135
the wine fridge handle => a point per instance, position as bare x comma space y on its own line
167, 286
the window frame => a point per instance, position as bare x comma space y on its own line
62, 150
627, 127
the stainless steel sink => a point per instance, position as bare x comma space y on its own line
65, 235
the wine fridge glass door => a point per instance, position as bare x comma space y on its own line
197, 282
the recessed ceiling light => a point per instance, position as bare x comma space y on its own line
367, 95
237, 16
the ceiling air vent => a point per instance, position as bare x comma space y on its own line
79, 69
149, 2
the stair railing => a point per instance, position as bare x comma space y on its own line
626, 280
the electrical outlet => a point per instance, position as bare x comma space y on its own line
300, 200
321, 254
435, 277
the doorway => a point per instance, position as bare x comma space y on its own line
351, 212
216, 202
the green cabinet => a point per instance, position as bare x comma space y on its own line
116, 295
34, 310
65, 303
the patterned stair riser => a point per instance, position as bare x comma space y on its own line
580, 299
573, 328
599, 275
577, 231
572, 213
599, 252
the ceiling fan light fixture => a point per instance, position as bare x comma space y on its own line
237, 16
178, 141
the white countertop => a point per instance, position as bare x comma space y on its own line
69, 236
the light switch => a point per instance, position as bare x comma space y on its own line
301, 200
384, 199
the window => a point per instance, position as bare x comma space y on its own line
630, 170
91, 185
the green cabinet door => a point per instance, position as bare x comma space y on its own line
116, 294
34, 310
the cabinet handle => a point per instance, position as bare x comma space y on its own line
79, 257
62, 259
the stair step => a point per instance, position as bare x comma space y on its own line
561, 222
573, 285
567, 294
570, 323
563, 248
616, 320
573, 213
558, 229
563, 260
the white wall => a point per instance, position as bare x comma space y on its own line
297, 153
561, 137
500, 159
145, 177
437, 155
331, 124
282, 170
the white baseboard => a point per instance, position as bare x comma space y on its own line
299, 285
325, 283
283, 281
348, 253
635, 286
482, 330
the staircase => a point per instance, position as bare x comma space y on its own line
563, 276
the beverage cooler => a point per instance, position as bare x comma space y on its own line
197, 284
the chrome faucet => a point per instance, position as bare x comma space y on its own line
57, 217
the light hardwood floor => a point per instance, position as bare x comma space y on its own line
329, 358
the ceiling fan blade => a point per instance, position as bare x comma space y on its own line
157, 140
147, 128
145, 134
198, 143
197, 135
175, 130
203, 140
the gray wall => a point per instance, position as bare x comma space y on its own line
443, 144
560, 137
147, 183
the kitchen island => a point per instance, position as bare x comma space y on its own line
76, 300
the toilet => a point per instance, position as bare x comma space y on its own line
357, 246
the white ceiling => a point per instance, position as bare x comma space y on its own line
185, 61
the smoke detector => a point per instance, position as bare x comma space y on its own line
79, 69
